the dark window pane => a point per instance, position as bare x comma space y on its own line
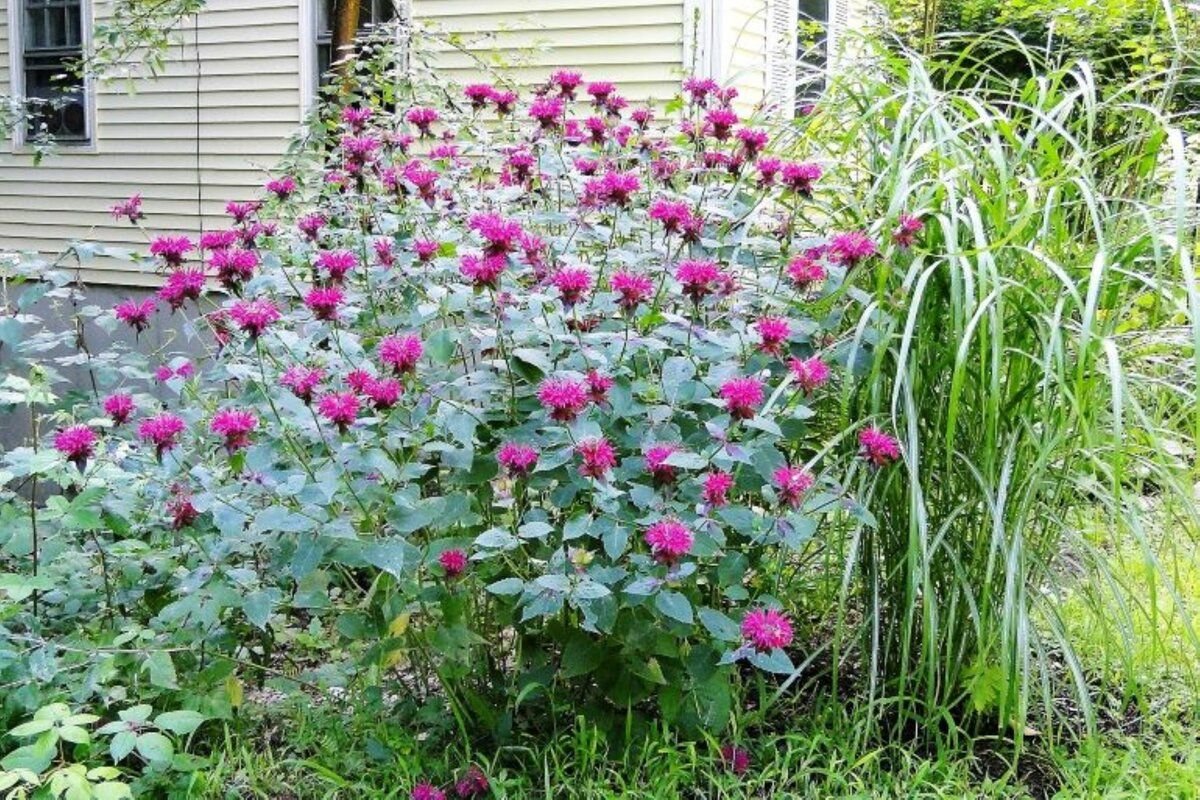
52, 42
371, 12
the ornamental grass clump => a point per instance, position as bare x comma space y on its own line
540, 418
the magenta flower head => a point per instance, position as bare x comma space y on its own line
213, 241
336, 263
359, 380
301, 380
735, 759
742, 396
473, 783
632, 288
699, 89
698, 278
852, 248
310, 225
281, 187
573, 284
357, 117
171, 249
800, 177
182, 285
423, 118
598, 385
323, 302
234, 265
669, 540
254, 316
716, 488
478, 94
426, 249
567, 81
162, 431
505, 101
180, 507
453, 562
427, 791
500, 233
598, 457
809, 373
518, 460
563, 398
119, 407
791, 484
483, 271
805, 271
77, 443
720, 122
878, 447
753, 141
401, 353
235, 425
340, 408
656, 462
768, 170
134, 314
773, 332
766, 629
241, 211
548, 112
130, 209
383, 392
907, 230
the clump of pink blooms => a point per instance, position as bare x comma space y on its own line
119, 407
878, 447
791, 484
77, 443
517, 459
766, 629
656, 462
339, 408
742, 396
234, 425
426, 791
301, 380
735, 759
716, 488
669, 540
401, 353
453, 562
162, 431
254, 316
773, 333
597, 455
135, 314
472, 783
563, 398
632, 288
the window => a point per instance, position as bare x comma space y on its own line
52, 36
812, 50
371, 12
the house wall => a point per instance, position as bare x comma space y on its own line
743, 51
202, 132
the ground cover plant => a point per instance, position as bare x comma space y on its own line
557, 427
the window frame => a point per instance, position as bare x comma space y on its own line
312, 38
17, 72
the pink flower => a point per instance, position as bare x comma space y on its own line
805, 271
669, 540
427, 791
401, 353
77, 443
742, 396
598, 455
130, 209
567, 82
907, 230
336, 263
383, 392
700, 88
721, 122
359, 380
851, 248
134, 314
656, 462
642, 117
311, 224
735, 759
340, 408
182, 285
773, 333
166, 372
598, 385
572, 283
612, 188
162, 431
600, 90
547, 111
301, 380
254, 316
699, 278
716, 488
426, 249
675, 215
517, 459
501, 234
324, 302
118, 407
479, 94
454, 562
810, 373
235, 425
765, 629
423, 118
241, 211
282, 187
753, 141
791, 484
180, 507
383, 252
483, 271
234, 265
768, 168
800, 177
504, 100
356, 117
878, 447
171, 249
473, 783
563, 398
218, 240
632, 288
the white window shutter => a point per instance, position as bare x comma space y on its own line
839, 23
782, 20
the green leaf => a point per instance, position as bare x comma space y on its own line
34, 757
161, 669
112, 790
74, 734
122, 745
393, 556
776, 661
440, 346
675, 606
581, 655
180, 722
31, 728
616, 541
507, 586
676, 371
719, 625
155, 748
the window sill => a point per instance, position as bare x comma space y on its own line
59, 148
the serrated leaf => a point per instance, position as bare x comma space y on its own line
719, 625
155, 748
674, 605
180, 722
161, 669
507, 586
122, 745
